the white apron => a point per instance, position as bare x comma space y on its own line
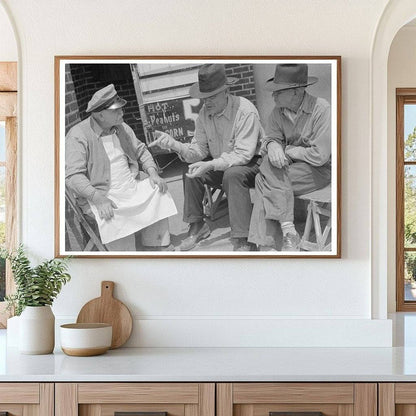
138, 204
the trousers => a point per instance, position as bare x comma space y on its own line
236, 182
275, 193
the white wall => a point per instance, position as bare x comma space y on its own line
211, 302
401, 74
8, 47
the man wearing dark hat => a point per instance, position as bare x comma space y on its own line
296, 156
101, 168
227, 133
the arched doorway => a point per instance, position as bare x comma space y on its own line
396, 14
8, 148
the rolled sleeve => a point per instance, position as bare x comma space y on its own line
198, 148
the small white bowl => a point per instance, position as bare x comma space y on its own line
83, 340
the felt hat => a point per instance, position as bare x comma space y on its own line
211, 80
105, 99
289, 76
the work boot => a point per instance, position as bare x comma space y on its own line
291, 242
241, 244
197, 231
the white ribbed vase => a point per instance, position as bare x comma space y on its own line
37, 330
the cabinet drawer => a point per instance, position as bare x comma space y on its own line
138, 393
397, 399
106, 399
21, 399
296, 399
19, 393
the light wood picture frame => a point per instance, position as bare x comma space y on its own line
155, 91
8, 163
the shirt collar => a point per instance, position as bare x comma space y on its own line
96, 128
227, 110
308, 104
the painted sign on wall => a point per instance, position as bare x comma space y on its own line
175, 117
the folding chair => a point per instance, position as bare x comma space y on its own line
213, 196
80, 227
319, 208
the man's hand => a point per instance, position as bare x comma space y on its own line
164, 141
197, 169
156, 180
105, 206
276, 155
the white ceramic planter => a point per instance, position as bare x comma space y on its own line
37, 330
13, 331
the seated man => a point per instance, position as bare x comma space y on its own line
296, 156
223, 152
101, 168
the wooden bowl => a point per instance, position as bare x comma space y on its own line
84, 340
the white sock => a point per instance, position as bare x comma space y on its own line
288, 228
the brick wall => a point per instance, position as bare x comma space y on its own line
83, 80
245, 85
89, 78
72, 116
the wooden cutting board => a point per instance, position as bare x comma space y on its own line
107, 309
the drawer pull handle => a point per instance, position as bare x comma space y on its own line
296, 414
140, 414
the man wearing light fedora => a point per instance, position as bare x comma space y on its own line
296, 156
224, 151
102, 156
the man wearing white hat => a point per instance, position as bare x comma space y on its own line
296, 156
227, 133
102, 154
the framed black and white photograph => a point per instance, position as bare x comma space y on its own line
198, 156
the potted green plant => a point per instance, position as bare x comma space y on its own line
36, 289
